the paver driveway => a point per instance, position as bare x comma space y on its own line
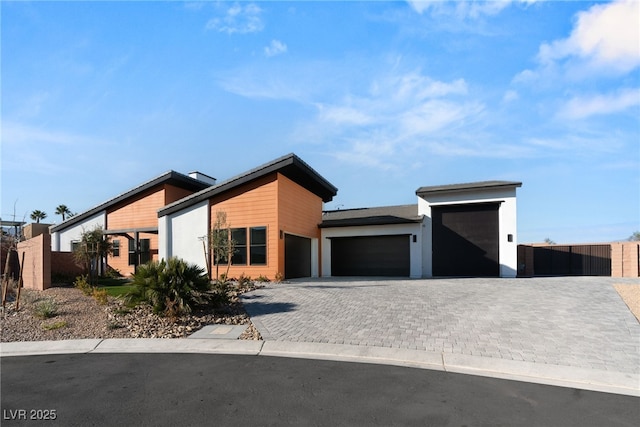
571, 321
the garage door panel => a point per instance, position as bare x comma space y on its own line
465, 240
370, 256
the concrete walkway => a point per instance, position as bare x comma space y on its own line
571, 332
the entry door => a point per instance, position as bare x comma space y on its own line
297, 256
466, 240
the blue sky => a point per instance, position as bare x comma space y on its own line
379, 97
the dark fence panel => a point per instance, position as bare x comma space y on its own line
572, 260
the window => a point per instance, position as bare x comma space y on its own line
250, 246
115, 248
74, 245
132, 252
258, 246
239, 237
145, 251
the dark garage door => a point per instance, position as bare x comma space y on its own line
370, 256
465, 240
297, 256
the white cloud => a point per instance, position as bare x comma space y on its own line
401, 116
239, 18
606, 37
586, 106
510, 96
463, 9
276, 47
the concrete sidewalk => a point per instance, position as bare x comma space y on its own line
562, 376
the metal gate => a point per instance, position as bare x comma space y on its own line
572, 260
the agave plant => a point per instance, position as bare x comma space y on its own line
170, 286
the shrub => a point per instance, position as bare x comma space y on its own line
262, 279
82, 284
45, 308
170, 287
56, 325
279, 277
100, 295
244, 281
220, 292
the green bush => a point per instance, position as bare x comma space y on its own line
170, 287
45, 308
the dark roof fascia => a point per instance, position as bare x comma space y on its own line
467, 187
383, 215
372, 220
170, 177
290, 166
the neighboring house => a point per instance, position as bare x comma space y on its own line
130, 219
273, 212
454, 230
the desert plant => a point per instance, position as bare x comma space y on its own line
93, 247
170, 287
55, 325
244, 281
221, 244
64, 211
100, 295
45, 308
37, 215
82, 284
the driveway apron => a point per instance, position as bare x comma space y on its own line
568, 321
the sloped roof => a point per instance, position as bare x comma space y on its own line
290, 166
384, 215
471, 186
170, 177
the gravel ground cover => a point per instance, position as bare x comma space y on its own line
62, 313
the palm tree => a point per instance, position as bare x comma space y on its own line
38, 215
64, 211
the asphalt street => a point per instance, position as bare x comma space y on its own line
233, 390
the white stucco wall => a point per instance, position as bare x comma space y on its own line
415, 249
61, 240
507, 224
180, 234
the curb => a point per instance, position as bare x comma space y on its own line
561, 376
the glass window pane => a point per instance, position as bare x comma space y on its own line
239, 236
258, 249
258, 255
258, 235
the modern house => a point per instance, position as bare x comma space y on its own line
130, 219
453, 230
275, 213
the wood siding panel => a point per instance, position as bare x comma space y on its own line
252, 205
173, 193
299, 212
141, 211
